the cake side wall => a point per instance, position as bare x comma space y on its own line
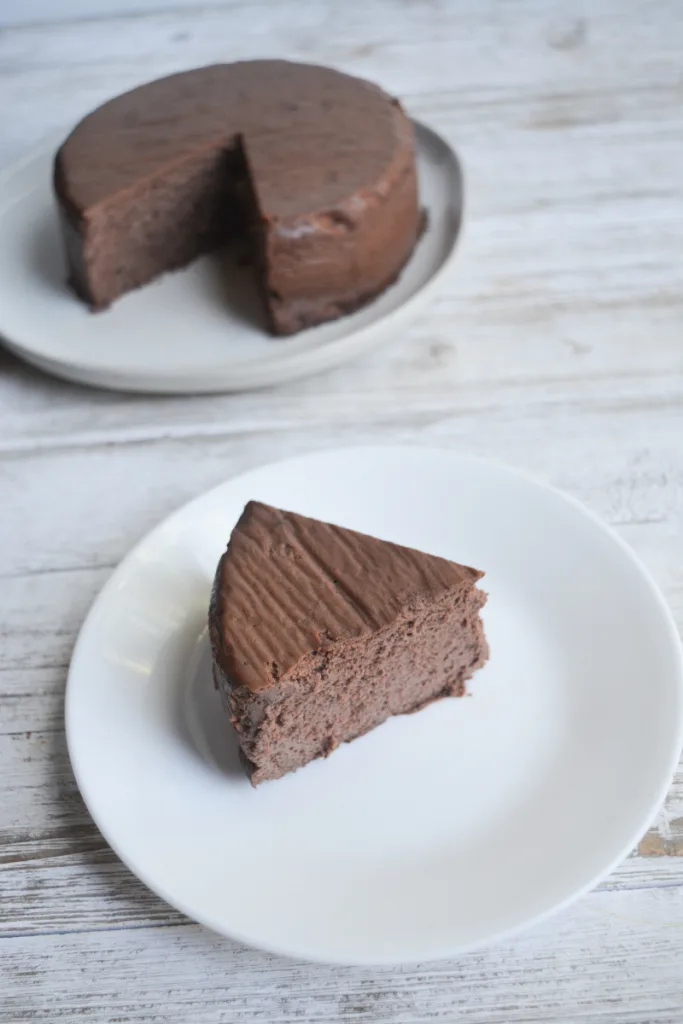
337, 260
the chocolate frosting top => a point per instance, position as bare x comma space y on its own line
288, 585
286, 115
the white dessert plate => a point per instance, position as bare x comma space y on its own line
201, 329
436, 832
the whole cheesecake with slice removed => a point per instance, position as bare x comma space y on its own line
319, 634
310, 170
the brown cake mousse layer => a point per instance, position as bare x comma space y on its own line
314, 169
319, 634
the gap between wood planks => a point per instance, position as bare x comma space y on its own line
427, 407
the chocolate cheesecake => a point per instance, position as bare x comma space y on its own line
319, 634
313, 169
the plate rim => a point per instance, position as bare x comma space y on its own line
309, 955
280, 367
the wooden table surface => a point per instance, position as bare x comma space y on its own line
555, 344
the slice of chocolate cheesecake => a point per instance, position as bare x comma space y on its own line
320, 633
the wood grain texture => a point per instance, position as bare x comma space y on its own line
613, 958
554, 344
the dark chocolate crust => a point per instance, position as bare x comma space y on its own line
315, 167
319, 634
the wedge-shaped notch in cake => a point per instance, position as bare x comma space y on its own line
319, 634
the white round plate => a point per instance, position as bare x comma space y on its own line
201, 329
436, 832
